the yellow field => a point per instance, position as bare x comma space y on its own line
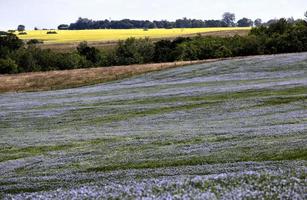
67, 36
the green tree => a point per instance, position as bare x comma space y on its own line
258, 22
3, 33
8, 44
128, 53
68, 61
63, 27
90, 53
146, 49
164, 51
21, 28
229, 19
280, 27
8, 66
245, 22
26, 60
34, 41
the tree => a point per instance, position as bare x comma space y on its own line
258, 22
164, 51
215, 23
229, 19
8, 66
197, 23
134, 51
3, 33
280, 27
90, 53
21, 28
183, 23
9, 43
271, 21
245, 22
34, 41
291, 20
63, 27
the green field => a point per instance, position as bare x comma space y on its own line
224, 130
104, 35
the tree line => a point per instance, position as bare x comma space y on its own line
228, 20
279, 37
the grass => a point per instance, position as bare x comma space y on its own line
53, 80
233, 155
16, 153
72, 36
40, 81
238, 124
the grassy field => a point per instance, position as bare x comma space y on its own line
40, 81
233, 129
104, 35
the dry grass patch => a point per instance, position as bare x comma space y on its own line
39, 81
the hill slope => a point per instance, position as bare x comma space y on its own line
217, 130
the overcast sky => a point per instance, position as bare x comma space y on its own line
50, 13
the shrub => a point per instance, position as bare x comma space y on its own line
134, 51
69, 61
107, 57
279, 37
52, 32
25, 60
164, 51
90, 53
8, 44
3, 33
8, 66
34, 41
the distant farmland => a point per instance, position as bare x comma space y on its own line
105, 35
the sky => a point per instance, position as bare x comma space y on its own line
51, 13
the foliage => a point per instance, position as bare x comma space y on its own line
90, 53
258, 22
245, 22
215, 23
63, 27
283, 36
52, 32
3, 33
21, 28
133, 51
9, 43
8, 66
34, 41
165, 51
85, 23
229, 19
